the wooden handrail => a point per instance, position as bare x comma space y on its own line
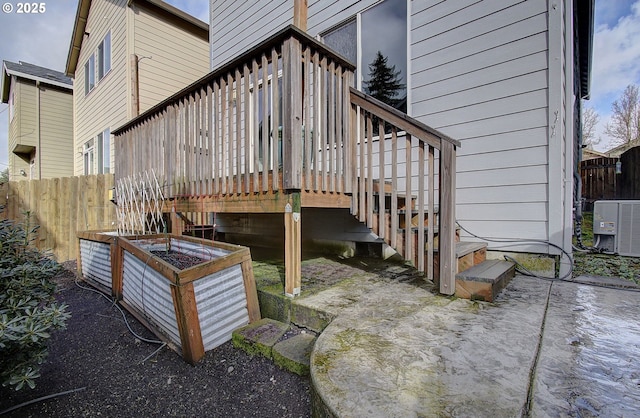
254, 53
418, 195
401, 120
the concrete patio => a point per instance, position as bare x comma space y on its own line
392, 347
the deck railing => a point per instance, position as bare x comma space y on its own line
285, 117
254, 125
401, 207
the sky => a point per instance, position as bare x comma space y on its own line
43, 39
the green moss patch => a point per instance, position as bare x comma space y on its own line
259, 337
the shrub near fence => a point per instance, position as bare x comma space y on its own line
61, 206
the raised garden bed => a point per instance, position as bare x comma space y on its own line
191, 292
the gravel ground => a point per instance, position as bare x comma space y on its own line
97, 353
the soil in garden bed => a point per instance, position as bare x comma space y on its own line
97, 354
177, 259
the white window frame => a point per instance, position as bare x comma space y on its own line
88, 157
104, 57
89, 75
98, 65
359, 65
104, 151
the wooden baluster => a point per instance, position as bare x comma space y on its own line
430, 213
407, 201
331, 128
275, 118
256, 124
308, 148
362, 212
382, 226
370, 171
230, 136
339, 174
210, 154
420, 205
316, 120
394, 188
323, 122
216, 139
237, 98
246, 103
265, 124
224, 135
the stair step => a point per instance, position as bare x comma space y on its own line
294, 353
270, 338
259, 337
485, 280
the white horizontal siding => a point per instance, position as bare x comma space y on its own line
237, 29
479, 74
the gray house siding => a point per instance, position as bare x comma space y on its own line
480, 72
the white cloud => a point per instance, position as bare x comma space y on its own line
616, 59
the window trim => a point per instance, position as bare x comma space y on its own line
98, 65
359, 76
96, 151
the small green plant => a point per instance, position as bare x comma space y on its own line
28, 311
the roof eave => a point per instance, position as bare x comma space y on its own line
6, 83
585, 15
79, 26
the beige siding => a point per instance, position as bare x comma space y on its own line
56, 133
170, 57
106, 105
22, 128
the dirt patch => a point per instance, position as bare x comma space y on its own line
97, 352
178, 260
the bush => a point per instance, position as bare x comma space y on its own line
28, 311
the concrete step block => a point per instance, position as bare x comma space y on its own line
259, 337
293, 354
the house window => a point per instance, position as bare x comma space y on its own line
104, 152
89, 74
381, 28
104, 56
11, 105
88, 156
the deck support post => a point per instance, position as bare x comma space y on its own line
292, 246
177, 223
447, 250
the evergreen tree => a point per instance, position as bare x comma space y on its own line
384, 81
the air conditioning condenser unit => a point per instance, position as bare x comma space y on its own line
616, 226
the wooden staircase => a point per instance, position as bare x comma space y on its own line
477, 278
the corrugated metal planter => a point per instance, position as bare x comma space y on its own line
195, 309
96, 254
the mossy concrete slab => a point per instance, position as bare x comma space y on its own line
259, 337
293, 354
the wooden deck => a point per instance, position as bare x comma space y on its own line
280, 128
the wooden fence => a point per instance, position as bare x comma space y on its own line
61, 206
601, 182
